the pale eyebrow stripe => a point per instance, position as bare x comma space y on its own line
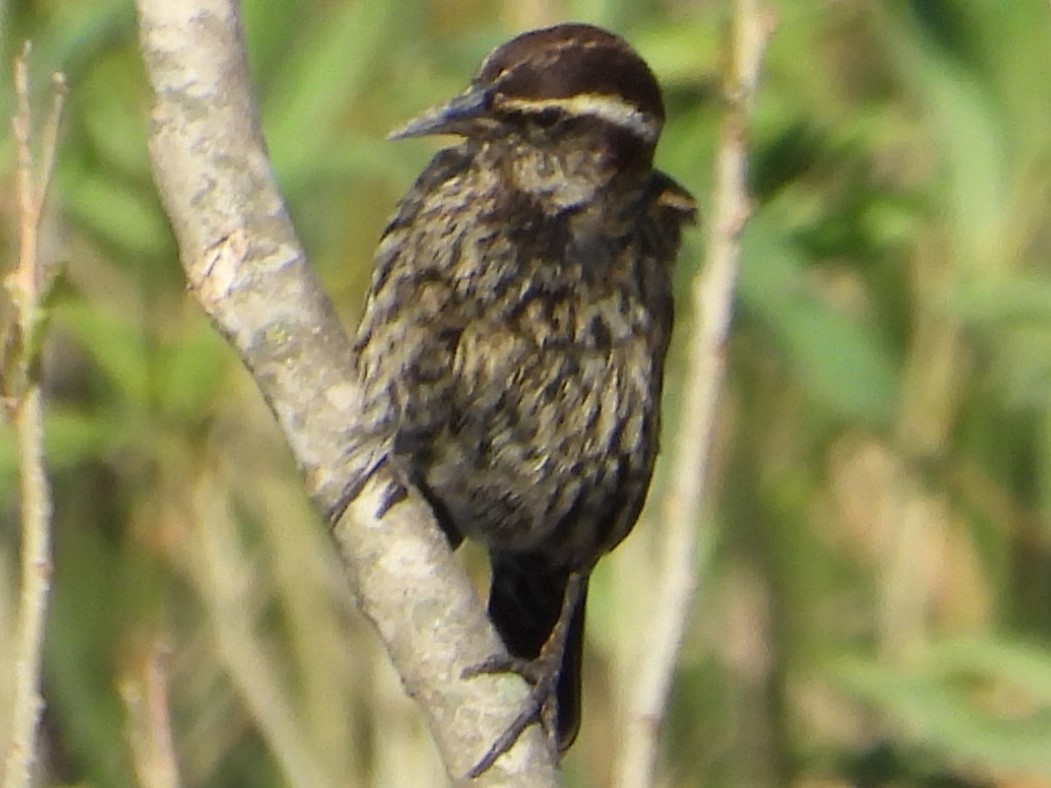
609, 108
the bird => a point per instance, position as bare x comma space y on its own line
512, 344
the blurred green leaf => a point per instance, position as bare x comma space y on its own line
116, 344
967, 123
115, 211
1010, 317
74, 437
117, 135
1006, 300
980, 702
317, 82
1024, 666
192, 373
841, 360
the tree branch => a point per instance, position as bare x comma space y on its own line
250, 274
713, 290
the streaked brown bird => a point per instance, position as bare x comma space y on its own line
513, 341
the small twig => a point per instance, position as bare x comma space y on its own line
145, 696
49, 140
713, 291
25, 286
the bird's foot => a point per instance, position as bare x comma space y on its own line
541, 673
540, 705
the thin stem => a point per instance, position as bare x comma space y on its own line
145, 696
713, 291
25, 286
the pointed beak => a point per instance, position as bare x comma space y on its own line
456, 116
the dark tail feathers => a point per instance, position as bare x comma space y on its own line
525, 599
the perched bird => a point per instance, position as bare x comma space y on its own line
512, 346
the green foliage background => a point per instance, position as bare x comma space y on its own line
874, 605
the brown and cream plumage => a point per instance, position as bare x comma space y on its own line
513, 341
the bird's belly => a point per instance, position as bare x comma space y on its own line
549, 449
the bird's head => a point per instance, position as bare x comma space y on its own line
569, 102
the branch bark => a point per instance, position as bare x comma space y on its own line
713, 292
248, 271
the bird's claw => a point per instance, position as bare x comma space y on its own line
541, 704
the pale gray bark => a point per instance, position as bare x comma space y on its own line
250, 274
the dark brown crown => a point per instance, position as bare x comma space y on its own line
569, 74
572, 61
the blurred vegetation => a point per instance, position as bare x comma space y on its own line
874, 605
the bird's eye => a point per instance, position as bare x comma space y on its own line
546, 118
